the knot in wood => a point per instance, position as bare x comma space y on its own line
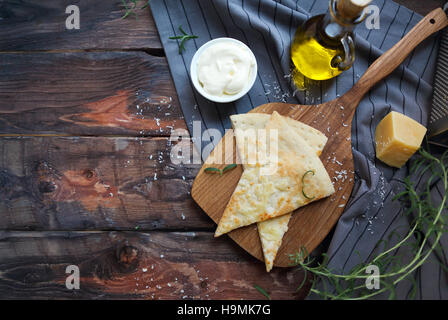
89, 174
46, 186
128, 255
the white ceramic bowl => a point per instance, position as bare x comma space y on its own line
224, 98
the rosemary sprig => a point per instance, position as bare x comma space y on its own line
262, 291
221, 172
213, 170
427, 227
229, 167
146, 5
130, 6
183, 38
303, 184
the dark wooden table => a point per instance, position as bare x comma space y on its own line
85, 175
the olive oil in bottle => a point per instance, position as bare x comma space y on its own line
323, 47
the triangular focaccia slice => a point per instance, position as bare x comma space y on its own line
271, 234
272, 231
315, 139
260, 196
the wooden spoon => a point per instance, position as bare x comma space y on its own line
309, 225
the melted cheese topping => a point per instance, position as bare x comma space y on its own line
259, 197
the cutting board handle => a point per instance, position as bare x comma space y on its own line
391, 59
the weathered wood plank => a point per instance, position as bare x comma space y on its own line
155, 265
108, 93
40, 25
93, 183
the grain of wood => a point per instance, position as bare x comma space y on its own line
93, 183
109, 93
134, 265
40, 25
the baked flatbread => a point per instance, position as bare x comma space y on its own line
263, 193
272, 231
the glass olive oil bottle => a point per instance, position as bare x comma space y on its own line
323, 47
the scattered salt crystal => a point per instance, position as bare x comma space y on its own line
145, 269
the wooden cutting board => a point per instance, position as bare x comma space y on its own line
309, 225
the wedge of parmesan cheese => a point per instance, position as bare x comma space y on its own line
397, 138
272, 231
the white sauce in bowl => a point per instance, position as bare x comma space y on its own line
225, 68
